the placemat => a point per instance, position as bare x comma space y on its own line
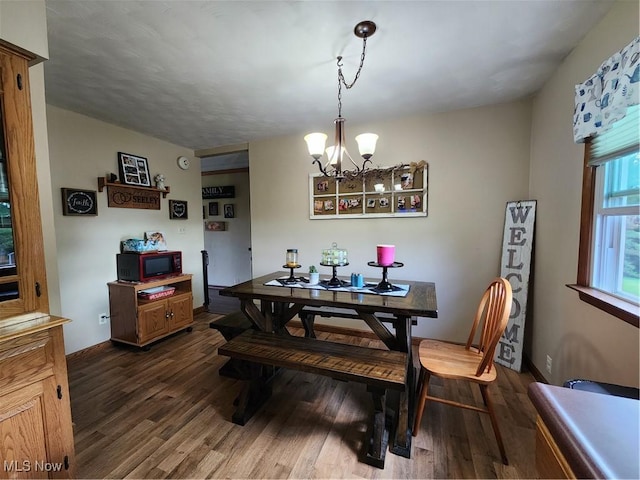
368, 287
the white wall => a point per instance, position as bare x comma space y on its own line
582, 340
478, 160
82, 149
229, 255
24, 23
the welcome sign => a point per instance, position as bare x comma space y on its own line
515, 266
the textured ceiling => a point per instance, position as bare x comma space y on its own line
203, 74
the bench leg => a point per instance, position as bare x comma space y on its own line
255, 392
379, 439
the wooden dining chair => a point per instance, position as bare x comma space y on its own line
472, 362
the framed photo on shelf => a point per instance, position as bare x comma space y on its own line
229, 210
178, 210
134, 170
213, 209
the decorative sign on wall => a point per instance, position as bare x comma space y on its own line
399, 191
228, 191
517, 245
128, 197
178, 210
79, 202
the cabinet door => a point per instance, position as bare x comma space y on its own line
23, 286
181, 311
152, 320
23, 429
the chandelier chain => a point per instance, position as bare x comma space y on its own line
342, 81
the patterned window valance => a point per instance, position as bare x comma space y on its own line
604, 98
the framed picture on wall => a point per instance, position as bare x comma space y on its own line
213, 209
229, 210
79, 202
134, 170
178, 210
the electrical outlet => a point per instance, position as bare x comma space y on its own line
549, 363
182, 230
102, 318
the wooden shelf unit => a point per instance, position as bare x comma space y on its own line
103, 182
137, 321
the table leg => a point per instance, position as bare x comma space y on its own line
401, 444
308, 319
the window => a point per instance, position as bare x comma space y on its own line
617, 228
609, 258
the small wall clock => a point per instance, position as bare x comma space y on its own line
183, 163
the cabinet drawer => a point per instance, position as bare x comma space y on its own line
24, 355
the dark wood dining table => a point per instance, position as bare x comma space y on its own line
277, 305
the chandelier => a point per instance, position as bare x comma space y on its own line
338, 153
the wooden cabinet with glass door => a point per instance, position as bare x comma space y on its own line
35, 412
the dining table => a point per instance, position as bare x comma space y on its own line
270, 301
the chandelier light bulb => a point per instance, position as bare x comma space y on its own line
315, 143
367, 144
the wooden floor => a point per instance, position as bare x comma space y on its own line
166, 413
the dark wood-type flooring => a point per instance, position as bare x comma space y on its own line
166, 413
220, 304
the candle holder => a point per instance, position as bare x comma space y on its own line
292, 278
385, 286
334, 281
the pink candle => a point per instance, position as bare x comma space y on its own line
386, 254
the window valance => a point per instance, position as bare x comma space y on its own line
604, 98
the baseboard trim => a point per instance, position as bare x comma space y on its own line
98, 347
198, 310
537, 374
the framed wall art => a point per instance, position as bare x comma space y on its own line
213, 209
178, 210
399, 191
229, 210
134, 170
216, 226
79, 202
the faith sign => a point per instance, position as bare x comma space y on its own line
515, 266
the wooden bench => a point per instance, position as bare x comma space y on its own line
231, 325
380, 370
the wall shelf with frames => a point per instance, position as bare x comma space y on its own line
122, 195
399, 191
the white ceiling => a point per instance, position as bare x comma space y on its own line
203, 74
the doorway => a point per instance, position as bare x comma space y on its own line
227, 219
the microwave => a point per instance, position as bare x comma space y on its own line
143, 267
